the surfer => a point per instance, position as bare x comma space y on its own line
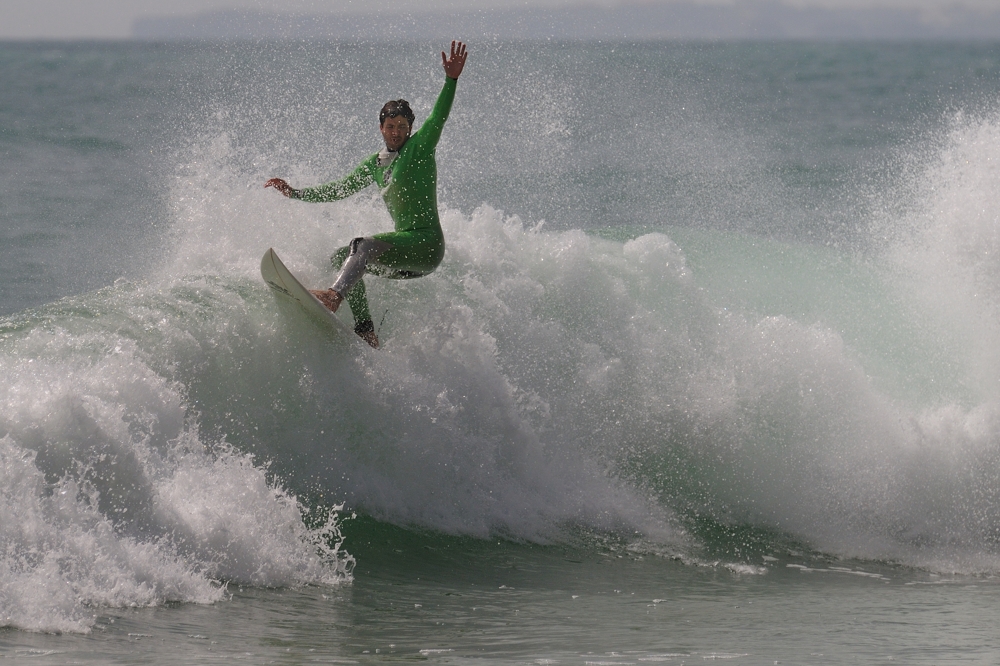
406, 172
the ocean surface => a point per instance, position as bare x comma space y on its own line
710, 371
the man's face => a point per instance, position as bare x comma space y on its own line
395, 131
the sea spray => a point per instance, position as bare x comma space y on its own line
546, 381
545, 378
789, 396
943, 242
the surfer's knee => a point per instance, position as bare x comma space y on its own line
362, 247
367, 247
363, 250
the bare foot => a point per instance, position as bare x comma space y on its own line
328, 297
370, 338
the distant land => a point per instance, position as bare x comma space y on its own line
766, 19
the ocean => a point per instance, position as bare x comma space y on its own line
710, 371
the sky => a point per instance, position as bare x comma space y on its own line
114, 19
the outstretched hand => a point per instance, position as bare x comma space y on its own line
281, 186
454, 64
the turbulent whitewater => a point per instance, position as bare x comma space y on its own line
646, 328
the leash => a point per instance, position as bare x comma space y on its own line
381, 322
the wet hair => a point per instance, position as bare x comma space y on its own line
395, 108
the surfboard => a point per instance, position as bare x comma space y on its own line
281, 280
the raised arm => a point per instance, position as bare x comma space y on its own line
430, 130
454, 64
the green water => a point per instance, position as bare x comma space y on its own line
458, 602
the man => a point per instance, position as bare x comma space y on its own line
406, 172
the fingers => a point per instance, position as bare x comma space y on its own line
280, 185
453, 65
458, 52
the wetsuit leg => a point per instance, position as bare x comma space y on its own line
356, 297
410, 254
363, 251
394, 255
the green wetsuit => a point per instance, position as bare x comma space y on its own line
409, 189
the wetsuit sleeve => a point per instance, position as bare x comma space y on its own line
430, 131
357, 180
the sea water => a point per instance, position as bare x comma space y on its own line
709, 371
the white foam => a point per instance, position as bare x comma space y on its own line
542, 378
110, 498
538, 380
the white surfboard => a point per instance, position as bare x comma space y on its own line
281, 280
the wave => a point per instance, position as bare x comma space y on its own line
646, 379
111, 494
689, 390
